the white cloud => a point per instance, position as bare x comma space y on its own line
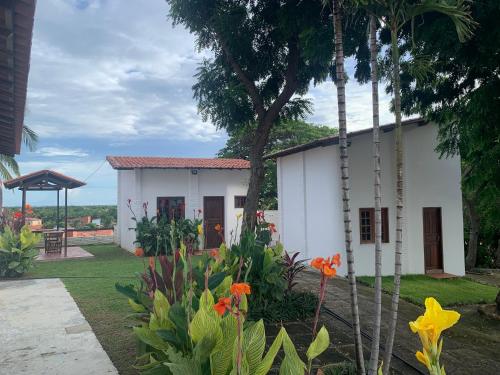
61, 151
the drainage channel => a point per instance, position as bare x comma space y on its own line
368, 337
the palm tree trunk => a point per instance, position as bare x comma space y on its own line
399, 201
377, 313
471, 258
344, 166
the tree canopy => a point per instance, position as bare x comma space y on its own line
284, 135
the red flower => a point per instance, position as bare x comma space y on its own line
260, 214
272, 228
223, 305
18, 215
139, 252
214, 253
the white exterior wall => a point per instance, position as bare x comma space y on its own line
146, 185
310, 200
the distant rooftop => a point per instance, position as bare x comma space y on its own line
151, 162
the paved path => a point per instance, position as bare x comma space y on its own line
42, 332
471, 347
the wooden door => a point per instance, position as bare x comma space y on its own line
433, 248
213, 214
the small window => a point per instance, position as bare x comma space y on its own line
367, 225
239, 201
172, 208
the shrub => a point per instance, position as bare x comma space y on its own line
294, 306
17, 251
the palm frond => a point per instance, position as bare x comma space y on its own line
8, 166
458, 11
30, 138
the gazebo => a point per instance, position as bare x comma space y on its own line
46, 180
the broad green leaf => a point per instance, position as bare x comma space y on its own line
319, 345
203, 349
205, 324
150, 338
222, 357
215, 280
267, 361
254, 342
136, 306
224, 286
291, 364
179, 365
207, 301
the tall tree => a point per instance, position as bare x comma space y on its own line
262, 54
344, 167
462, 95
395, 14
377, 313
283, 135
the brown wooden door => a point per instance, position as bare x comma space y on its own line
433, 249
213, 214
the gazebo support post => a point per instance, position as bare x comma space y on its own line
23, 207
65, 222
57, 212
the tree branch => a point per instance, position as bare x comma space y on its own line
247, 82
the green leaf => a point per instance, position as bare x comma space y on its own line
222, 356
215, 280
13, 264
291, 364
138, 308
319, 345
223, 288
180, 365
254, 342
207, 301
267, 362
168, 336
204, 324
150, 338
203, 349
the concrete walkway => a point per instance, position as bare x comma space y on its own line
43, 332
471, 347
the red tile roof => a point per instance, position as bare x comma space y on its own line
142, 162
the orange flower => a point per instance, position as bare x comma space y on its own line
317, 263
223, 305
238, 289
214, 253
272, 228
139, 252
326, 266
218, 228
328, 271
152, 263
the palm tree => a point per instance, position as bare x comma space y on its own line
8, 164
395, 14
377, 314
344, 167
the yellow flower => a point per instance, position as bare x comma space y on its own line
422, 358
434, 321
238, 216
200, 229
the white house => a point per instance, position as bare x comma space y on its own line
179, 187
310, 201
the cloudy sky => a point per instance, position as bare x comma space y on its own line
111, 77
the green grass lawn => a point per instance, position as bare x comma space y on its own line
449, 292
91, 282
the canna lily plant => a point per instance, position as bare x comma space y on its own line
429, 328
